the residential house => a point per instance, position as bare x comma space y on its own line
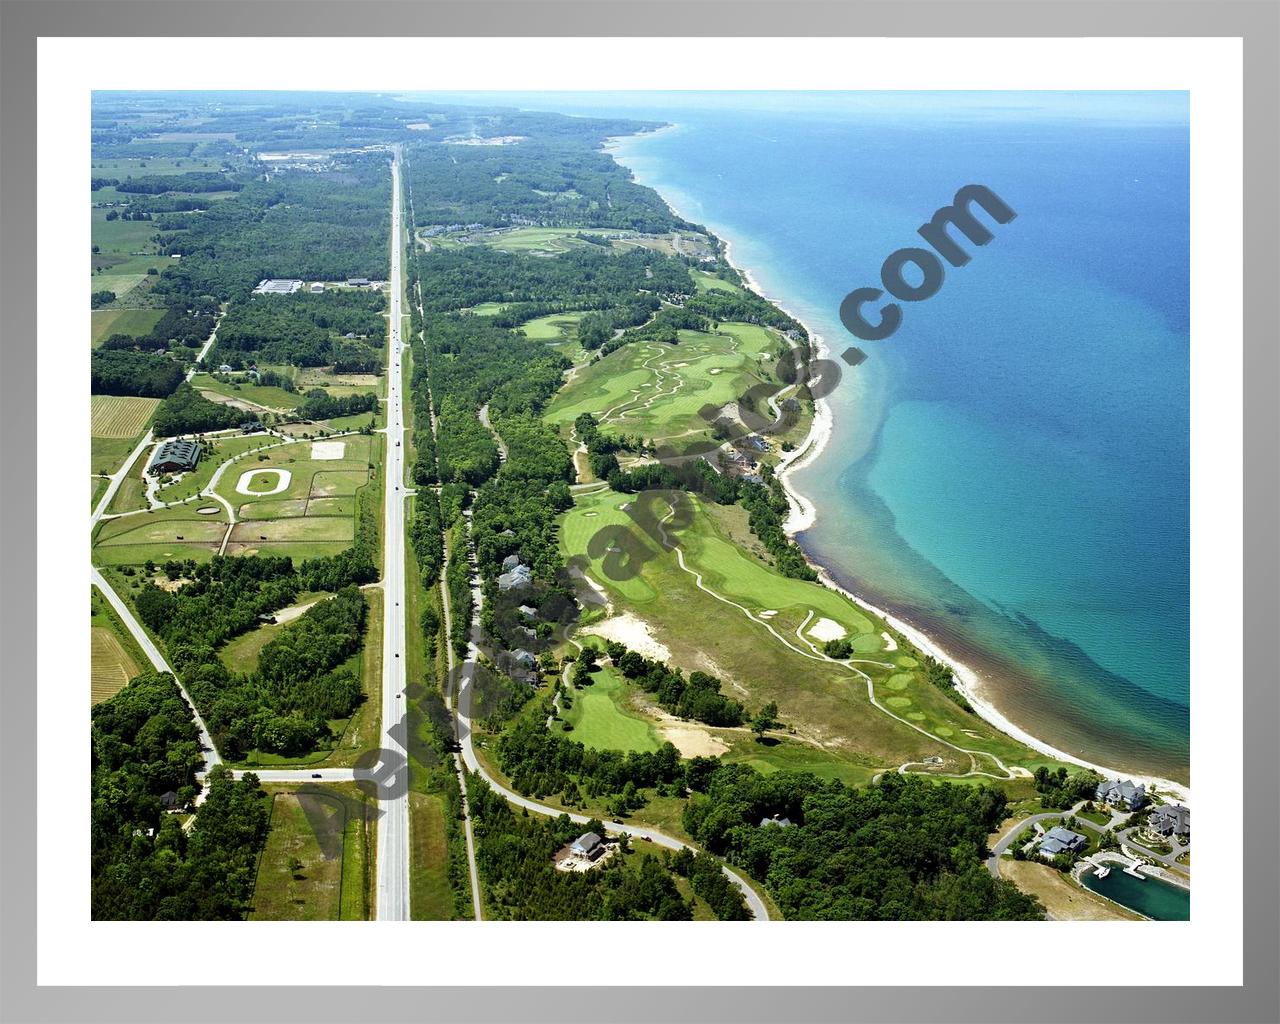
776, 820
1172, 820
587, 845
1062, 840
518, 577
1121, 793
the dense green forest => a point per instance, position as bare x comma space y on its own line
306, 329
114, 372
191, 181
455, 279
145, 867
562, 180
315, 226
318, 404
186, 411
906, 848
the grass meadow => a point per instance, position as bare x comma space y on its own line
134, 322
114, 656
317, 864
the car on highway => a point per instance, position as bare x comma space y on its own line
315, 775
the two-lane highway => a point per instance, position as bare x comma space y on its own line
393, 825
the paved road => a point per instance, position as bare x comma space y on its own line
393, 827
301, 775
1168, 859
117, 478
1015, 830
463, 718
159, 664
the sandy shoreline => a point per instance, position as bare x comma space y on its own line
804, 514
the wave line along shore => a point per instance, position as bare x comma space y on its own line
804, 514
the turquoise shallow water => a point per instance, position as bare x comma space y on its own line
1157, 900
1009, 471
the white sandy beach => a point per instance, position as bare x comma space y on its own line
804, 514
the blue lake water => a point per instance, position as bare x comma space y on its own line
1010, 470
1150, 897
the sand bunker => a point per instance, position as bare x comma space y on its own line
283, 476
328, 451
692, 740
768, 613
827, 629
631, 632
208, 510
890, 644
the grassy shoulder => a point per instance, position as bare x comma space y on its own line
317, 864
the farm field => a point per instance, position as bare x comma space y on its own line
120, 284
114, 654
120, 417
161, 535
134, 322
339, 385
137, 167
657, 390
317, 864
288, 502
761, 658
601, 718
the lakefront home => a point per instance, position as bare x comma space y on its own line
1062, 840
1121, 793
1172, 820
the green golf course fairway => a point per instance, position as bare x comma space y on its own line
762, 658
599, 718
